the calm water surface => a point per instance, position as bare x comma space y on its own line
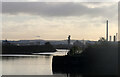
36, 64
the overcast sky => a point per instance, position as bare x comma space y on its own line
57, 20
60, 0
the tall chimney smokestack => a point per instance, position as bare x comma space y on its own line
116, 36
107, 30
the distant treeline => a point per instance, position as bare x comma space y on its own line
62, 46
14, 49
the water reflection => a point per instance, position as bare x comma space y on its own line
60, 75
36, 64
27, 65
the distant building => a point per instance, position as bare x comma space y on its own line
25, 42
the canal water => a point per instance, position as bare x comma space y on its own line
36, 64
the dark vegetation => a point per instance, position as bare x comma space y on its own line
14, 49
97, 59
74, 51
102, 58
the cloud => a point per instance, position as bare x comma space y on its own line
60, 0
58, 9
58, 19
54, 27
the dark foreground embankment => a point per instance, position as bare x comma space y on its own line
98, 60
69, 64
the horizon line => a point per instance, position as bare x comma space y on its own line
46, 39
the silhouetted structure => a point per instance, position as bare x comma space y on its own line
69, 42
107, 30
114, 38
110, 38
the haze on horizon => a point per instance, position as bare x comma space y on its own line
57, 20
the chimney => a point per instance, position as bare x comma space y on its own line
107, 30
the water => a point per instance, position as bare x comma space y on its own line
36, 64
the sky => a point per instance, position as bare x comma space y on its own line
57, 20
59, 0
